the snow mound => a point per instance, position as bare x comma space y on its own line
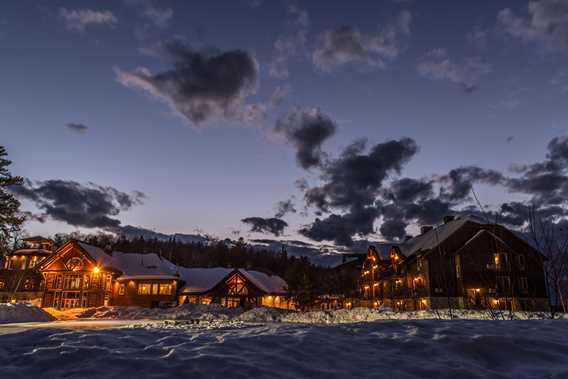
183, 312
262, 315
11, 313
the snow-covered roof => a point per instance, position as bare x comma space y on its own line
434, 237
97, 254
30, 252
199, 280
133, 265
272, 284
143, 266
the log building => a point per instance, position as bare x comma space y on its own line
78, 275
463, 263
20, 279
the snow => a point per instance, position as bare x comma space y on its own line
436, 236
233, 349
271, 284
199, 280
143, 266
212, 341
97, 254
11, 313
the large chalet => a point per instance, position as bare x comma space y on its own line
78, 275
463, 263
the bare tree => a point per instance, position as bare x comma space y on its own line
550, 237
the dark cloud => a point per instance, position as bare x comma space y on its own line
90, 206
77, 127
459, 182
284, 207
306, 129
200, 85
546, 181
266, 225
408, 189
545, 24
356, 176
346, 44
393, 229
342, 228
437, 65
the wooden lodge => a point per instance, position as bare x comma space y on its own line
234, 288
78, 275
20, 279
463, 263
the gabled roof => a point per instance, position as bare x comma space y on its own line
272, 284
97, 254
200, 280
143, 266
36, 239
436, 236
26, 251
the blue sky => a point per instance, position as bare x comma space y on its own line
62, 63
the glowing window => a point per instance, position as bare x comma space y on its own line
121, 289
165, 289
236, 286
144, 288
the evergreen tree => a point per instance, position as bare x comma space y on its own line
10, 218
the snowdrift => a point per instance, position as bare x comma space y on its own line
11, 313
213, 312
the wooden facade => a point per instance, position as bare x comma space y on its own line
237, 288
463, 263
20, 279
78, 275
75, 279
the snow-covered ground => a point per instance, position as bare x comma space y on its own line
217, 312
211, 341
22, 313
236, 349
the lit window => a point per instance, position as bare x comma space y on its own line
2, 284
155, 288
121, 289
236, 286
165, 289
144, 288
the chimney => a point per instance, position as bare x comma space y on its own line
448, 218
425, 229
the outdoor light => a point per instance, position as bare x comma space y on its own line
96, 270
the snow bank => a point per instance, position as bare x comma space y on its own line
182, 312
11, 313
261, 314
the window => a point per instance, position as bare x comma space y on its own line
121, 289
236, 286
155, 288
165, 289
72, 282
28, 284
144, 288
521, 261
524, 284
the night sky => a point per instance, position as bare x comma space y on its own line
324, 121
